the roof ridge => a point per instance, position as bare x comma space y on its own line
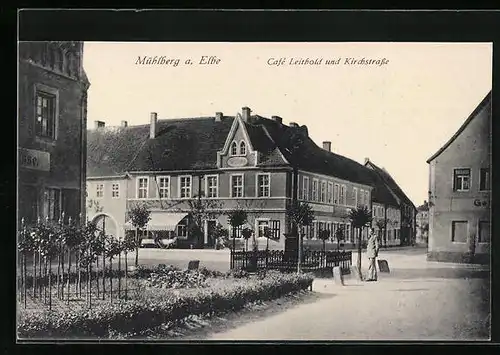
472, 115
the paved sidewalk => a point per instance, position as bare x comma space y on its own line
418, 300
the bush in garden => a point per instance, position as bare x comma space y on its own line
211, 273
238, 273
158, 308
176, 279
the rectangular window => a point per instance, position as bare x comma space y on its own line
461, 179
275, 229
45, 115
115, 190
52, 204
459, 231
342, 197
142, 187
484, 179
301, 188
185, 186
361, 197
367, 198
484, 232
330, 193
260, 228
236, 231
236, 185
164, 186
336, 194
182, 231
355, 193
305, 187
99, 190
323, 192
263, 185
212, 186
315, 190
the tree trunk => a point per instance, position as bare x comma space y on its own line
111, 279
50, 283
69, 274
62, 275
45, 280
103, 275
136, 248
40, 262
34, 274
360, 230
25, 272
299, 253
58, 272
78, 288
119, 275
126, 271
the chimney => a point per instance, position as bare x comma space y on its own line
124, 124
367, 160
99, 124
304, 130
246, 113
327, 145
277, 119
293, 124
218, 116
152, 126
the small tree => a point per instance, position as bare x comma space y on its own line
221, 236
324, 235
340, 235
139, 216
381, 227
301, 215
200, 210
247, 234
237, 218
360, 217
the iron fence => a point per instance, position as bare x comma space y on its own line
279, 260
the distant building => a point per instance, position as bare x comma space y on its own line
51, 130
422, 223
459, 192
402, 221
236, 161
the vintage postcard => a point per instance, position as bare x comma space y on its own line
326, 191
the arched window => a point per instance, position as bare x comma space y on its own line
234, 149
243, 148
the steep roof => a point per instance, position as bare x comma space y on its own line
387, 179
193, 143
474, 114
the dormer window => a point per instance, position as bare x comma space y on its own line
243, 148
234, 149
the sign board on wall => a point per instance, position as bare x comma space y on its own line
34, 159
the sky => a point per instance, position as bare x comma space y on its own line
397, 112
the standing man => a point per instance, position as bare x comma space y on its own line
372, 253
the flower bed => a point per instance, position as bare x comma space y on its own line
156, 306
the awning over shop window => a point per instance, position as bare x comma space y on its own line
161, 221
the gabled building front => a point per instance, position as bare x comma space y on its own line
460, 192
405, 221
234, 162
52, 121
423, 223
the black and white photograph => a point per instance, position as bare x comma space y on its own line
236, 191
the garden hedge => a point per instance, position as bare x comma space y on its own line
135, 316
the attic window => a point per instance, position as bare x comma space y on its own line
234, 149
243, 148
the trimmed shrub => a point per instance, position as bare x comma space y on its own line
162, 307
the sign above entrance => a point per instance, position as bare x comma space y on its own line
237, 161
34, 159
